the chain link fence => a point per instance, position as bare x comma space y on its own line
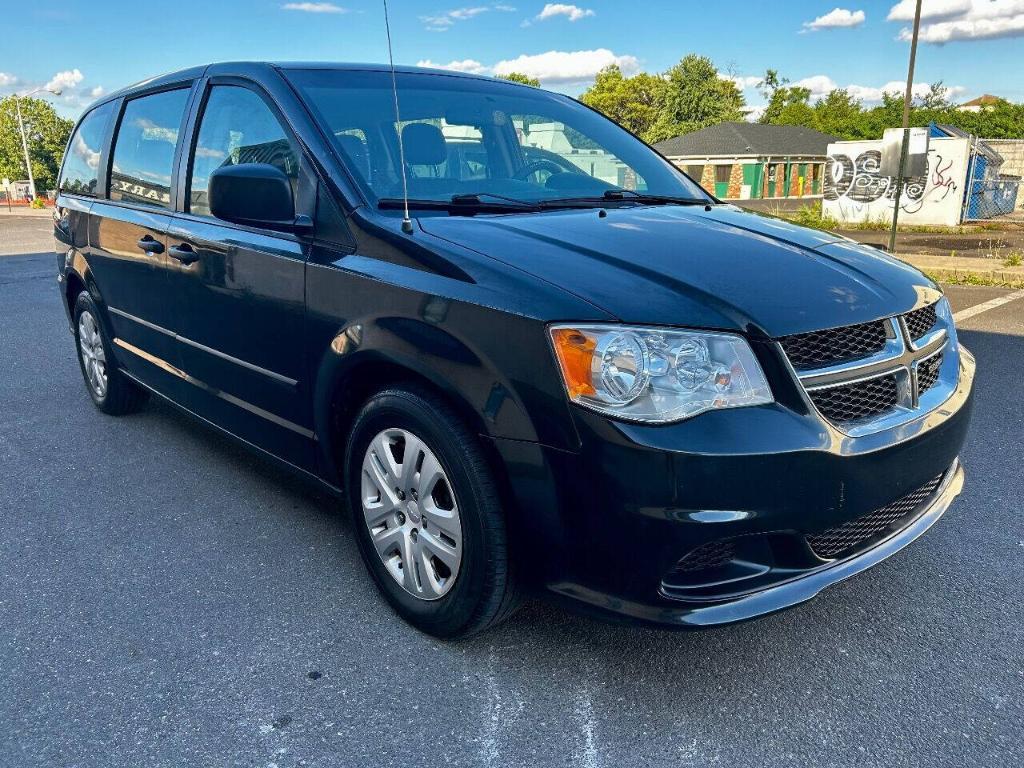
988, 198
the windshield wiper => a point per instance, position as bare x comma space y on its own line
643, 197
476, 198
456, 203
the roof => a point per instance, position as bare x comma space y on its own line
736, 139
249, 66
983, 100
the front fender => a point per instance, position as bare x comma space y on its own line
389, 348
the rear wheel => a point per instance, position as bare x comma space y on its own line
427, 514
110, 390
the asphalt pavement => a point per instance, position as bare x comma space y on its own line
169, 599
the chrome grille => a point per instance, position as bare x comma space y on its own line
835, 345
853, 534
920, 321
928, 373
872, 376
857, 400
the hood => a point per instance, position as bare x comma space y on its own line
722, 268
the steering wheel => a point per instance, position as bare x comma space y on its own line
537, 165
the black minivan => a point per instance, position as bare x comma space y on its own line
564, 366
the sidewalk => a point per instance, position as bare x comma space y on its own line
26, 211
965, 269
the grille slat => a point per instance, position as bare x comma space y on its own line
853, 534
835, 345
920, 321
859, 400
928, 373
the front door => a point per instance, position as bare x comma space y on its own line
243, 289
128, 238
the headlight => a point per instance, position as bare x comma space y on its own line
655, 374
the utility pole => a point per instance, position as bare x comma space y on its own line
908, 95
24, 136
24, 146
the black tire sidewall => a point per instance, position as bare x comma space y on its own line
84, 303
452, 613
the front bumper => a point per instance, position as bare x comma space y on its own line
784, 594
606, 525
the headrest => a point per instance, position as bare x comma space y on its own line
355, 150
424, 144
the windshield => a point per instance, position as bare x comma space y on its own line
464, 136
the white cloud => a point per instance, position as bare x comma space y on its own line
66, 80
742, 81
753, 114
314, 7
818, 85
566, 66
571, 12
897, 88
894, 87
930, 9
821, 85
442, 22
949, 20
471, 66
98, 91
836, 18
466, 13
7, 79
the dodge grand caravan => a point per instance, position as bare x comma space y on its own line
567, 368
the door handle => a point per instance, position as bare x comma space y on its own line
149, 245
183, 253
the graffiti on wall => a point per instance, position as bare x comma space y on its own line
855, 190
859, 180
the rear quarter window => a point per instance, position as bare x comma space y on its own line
80, 175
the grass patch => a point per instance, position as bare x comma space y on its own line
811, 215
973, 278
1013, 260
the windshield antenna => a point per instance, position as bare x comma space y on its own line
406, 222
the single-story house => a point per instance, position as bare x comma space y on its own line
980, 103
740, 161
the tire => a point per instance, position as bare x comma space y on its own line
111, 391
481, 591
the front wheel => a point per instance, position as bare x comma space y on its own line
427, 514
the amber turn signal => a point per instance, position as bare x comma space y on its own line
575, 353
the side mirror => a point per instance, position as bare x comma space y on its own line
258, 194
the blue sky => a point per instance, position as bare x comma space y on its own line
89, 48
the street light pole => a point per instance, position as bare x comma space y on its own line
906, 128
24, 146
24, 136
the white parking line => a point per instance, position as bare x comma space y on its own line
977, 309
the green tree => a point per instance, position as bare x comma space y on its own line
47, 137
774, 88
936, 98
635, 102
789, 106
797, 109
519, 77
696, 97
839, 114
